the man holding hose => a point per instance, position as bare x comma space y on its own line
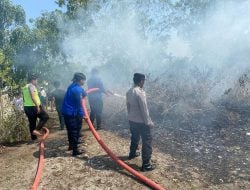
140, 122
95, 98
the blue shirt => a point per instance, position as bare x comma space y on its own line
72, 102
95, 82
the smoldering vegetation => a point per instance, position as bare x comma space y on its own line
198, 78
212, 137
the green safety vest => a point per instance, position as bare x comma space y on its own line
27, 100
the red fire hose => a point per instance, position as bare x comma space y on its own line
41, 161
142, 178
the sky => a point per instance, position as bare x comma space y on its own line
34, 8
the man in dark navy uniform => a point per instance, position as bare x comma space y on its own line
57, 96
72, 111
95, 98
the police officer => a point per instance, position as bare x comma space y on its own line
72, 111
140, 122
33, 108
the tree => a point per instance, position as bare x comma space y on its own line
38, 48
11, 18
73, 6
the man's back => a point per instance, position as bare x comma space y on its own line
134, 111
72, 105
58, 94
95, 82
137, 106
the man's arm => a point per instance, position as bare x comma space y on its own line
127, 103
84, 95
32, 94
144, 109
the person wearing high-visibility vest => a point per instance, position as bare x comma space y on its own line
33, 108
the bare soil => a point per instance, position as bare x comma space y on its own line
186, 160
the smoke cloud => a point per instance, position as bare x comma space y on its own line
122, 37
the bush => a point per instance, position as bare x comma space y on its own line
14, 128
13, 124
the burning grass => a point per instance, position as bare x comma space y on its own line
211, 136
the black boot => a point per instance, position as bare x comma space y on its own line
70, 148
147, 167
98, 128
132, 156
79, 141
76, 152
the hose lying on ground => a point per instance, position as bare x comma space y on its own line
41, 160
141, 177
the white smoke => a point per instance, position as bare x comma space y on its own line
222, 43
123, 37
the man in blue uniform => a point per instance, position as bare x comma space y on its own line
72, 111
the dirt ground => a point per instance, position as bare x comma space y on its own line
96, 170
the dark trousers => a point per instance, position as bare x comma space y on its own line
31, 113
141, 130
73, 125
96, 106
60, 116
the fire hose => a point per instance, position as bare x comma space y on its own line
41, 160
141, 177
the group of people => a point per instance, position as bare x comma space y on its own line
70, 111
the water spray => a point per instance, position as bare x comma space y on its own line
119, 96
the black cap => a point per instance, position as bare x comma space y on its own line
31, 77
79, 76
138, 77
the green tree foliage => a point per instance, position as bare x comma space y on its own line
47, 38
73, 6
25, 49
5, 70
11, 19
37, 48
